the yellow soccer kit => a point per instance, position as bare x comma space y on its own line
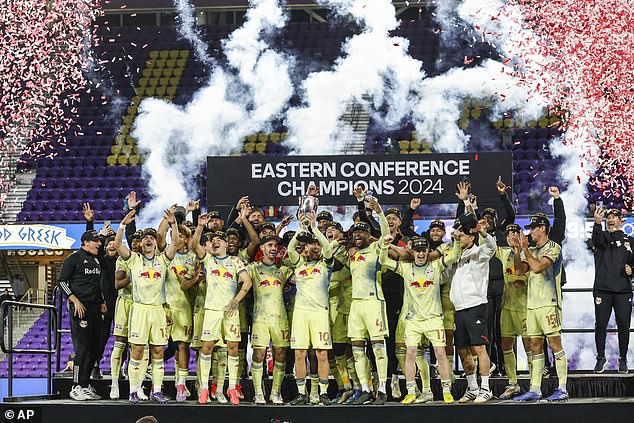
513, 316
179, 306
124, 303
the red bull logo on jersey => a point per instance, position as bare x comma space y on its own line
421, 284
509, 271
359, 258
179, 270
222, 272
270, 282
151, 274
309, 271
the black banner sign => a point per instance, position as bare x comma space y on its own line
393, 179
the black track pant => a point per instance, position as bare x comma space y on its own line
86, 334
604, 303
494, 311
106, 330
393, 305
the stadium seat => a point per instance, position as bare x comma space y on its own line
112, 160
403, 145
177, 72
252, 138
249, 147
183, 54
122, 160
263, 137
164, 54
150, 91
153, 82
167, 72
174, 54
154, 55
260, 147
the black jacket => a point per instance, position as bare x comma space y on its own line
612, 251
108, 265
81, 275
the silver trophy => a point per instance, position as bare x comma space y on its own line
307, 205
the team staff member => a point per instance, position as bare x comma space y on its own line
80, 279
612, 283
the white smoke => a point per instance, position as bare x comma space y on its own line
187, 29
240, 98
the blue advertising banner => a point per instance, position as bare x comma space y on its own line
56, 236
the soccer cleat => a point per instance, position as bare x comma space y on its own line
324, 399
447, 398
511, 391
114, 390
181, 394
345, 396
396, 387
409, 399
276, 398
214, 390
483, 396
622, 365
91, 393
239, 391
558, 395
469, 396
314, 398
424, 397
221, 398
204, 396
364, 398
355, 396
233, 396
141, 394
300, 399
338, 397
600, 366
158, 398
78, 394
134, 398
259, 399
546, 371
381, 398
529, 396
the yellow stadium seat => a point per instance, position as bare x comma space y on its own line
164, 82
403, 145
169, 97
252, 138
120, 139
414, 145
181, 63
183, 54
143, 82
136, 100
122, 160
174, 54
170, 91
130, 140
475, 113
132, 110
531, 123
140, 91
405, 151
111, 160
147, 72
283, 136
160, 91
149, 64
157, 73
154, 54
274, 137
116, 149
150, 91
249, 147
414, 152
554, 121
263, 137
543, 122
164, 54
127, 149
260, 147
167, 72
170, 63
153, 82
160, 63
134, 160
425, 147
173, 81
177, 73
463, 123
414, 135
128, 120
509, 123
124, 129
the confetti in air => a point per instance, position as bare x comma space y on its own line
42, 58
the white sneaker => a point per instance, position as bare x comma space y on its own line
114, 390
276, 398
221, 398
396, 387
91, 393
484, 395
78, 393
259, 398
469, 396
141, 394
424, 397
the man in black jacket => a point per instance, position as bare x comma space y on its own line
613, 260
80, 280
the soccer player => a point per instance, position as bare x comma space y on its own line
148, 321
513, 316
311, 324
270, 322
179, 309
367, 311
542, 264
423, 319
469, 296
222, 273
612, 284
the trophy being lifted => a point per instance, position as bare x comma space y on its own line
308, 204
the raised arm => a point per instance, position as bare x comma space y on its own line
384, 258
456, 250
488, 246
408, 218
124, 252
534, 265
598, 237
161, 233
171, 249
508, 207
186, 283
385, 227
326, 248
558, 230
89, 216
293, 255
203, 219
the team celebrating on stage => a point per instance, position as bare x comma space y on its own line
316, 297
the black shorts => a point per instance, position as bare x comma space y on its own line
471, 327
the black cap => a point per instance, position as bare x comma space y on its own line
286, 238
267, 225
268, 238
355, 215
336, 225
394, 211
491, 211
90, 236
420, 243
513, 227
108, 239
179, 214
308, 237
138, 234
233, 231
360, 226
615, 212
437, 224
214, 214
466, 222
324, 215
148, 231
257, 209
218, 234
538, 219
